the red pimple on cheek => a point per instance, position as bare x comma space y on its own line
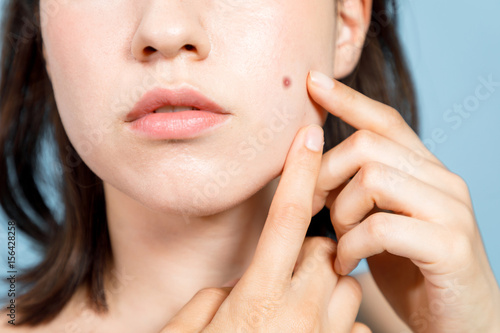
287, 82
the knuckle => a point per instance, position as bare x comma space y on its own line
377, 226
458, 251
362, 141
459, 184
464, 211
467, 217
319, 249
393, 119
320, 242
370, 174
462, 214
324, 247
462, 245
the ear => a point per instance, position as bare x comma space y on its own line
353, 21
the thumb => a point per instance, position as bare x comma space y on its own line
198, 312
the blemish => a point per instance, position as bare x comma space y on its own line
287, 82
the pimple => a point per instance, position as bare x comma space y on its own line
286, 82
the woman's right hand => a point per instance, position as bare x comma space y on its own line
290, 285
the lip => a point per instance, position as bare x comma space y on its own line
175, 125
159, 97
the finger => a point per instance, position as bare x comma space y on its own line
344, 304
344, 160
360, 328
379, 186
198, 312
290, 212
420, 241
362, 112
314, 276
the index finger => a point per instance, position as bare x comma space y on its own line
290, 212
363, 112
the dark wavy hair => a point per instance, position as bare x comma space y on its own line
75, 240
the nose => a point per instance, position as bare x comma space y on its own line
169, 29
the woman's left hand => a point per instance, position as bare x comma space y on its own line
408, 214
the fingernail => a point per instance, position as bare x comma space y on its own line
314, 138
337, 267
321, 80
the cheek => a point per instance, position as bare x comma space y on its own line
259, 69
303, 38
82, 47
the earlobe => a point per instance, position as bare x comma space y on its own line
353, 21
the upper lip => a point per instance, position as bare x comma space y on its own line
159, 97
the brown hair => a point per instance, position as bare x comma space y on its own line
77, 248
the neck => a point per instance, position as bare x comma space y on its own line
163, 260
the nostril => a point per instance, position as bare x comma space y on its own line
189, 47
148, 50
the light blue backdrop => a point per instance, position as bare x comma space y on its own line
452, 47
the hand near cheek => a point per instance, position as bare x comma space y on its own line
290, 285
393, 202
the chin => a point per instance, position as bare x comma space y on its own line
191, 202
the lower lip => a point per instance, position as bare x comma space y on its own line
178, 125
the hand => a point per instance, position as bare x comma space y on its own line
267, 298
408, 214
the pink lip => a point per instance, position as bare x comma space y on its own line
175, 125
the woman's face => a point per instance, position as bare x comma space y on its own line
250, 57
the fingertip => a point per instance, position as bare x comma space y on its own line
321, 80
353, 285
314, 139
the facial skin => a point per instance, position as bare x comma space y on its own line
168, 228
99, 66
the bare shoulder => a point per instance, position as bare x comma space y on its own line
8, 320
9, 324
68, 319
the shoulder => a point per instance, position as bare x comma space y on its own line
9, 320
75, 316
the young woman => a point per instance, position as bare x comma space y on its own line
191, 161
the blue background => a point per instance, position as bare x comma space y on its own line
450, 46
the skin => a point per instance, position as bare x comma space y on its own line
160, 232
314, 299
427, 259
101, 57
415, 225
